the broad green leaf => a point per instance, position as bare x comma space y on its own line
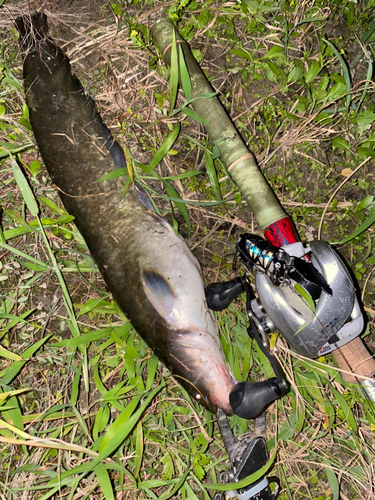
341, 143
365, 152
242, 53
35, 167
366, 202
313, 71
365, 117
168, 467
295, 74
336, 92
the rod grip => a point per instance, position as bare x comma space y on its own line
354, 357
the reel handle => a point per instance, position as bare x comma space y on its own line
220, 295
249, 399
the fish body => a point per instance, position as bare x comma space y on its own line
151, 272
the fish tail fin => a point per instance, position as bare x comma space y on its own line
33, 29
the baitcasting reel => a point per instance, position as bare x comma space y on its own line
336, 318
331, 318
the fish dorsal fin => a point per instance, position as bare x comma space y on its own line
159, 293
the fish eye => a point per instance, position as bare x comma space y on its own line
197, 396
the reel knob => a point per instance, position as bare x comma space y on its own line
249, 399
220, 295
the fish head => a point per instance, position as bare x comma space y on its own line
188, 340
196, 360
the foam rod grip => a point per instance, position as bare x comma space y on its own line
354, 359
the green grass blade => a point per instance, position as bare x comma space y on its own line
188, 202
360, 229
212, 175
4, 353
333, 483
114, 174
194, 115
171, 191
66, 296
152, 367
244, 482
75, 384
370, 70
173, 79
124, 424
164, 148
139, 445
345, 71
184, 75
13, 370
24, 187
305, 296
346, 409
85, 338
104, 481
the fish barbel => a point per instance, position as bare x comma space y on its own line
151, 272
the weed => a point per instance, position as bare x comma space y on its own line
86, 409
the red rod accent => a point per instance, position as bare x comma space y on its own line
281, 232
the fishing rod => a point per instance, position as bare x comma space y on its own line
280, 260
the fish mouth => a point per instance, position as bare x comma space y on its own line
212, 403
209, 399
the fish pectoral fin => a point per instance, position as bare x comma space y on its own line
159, 293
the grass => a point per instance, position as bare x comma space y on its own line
86, 410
